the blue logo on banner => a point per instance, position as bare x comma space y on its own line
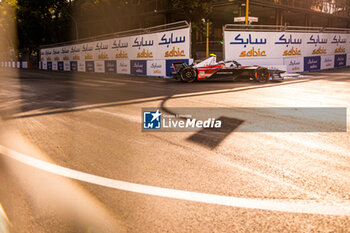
49, 65
60, 65
111, 66
312, 63
151, 120
90, 66
169, 65
340, 60
73, 66
138, 67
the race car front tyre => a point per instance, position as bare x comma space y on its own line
262, 75
188, 75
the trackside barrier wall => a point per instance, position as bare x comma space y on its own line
296, 51
149, 54
14, 64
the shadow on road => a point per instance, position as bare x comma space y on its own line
45, 92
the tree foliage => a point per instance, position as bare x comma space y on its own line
195, 10
41, 22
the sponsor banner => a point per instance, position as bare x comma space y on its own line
54, 65
138, 67
87, 51
90, 66
81, 66
120, 48
294, 65
154, 46
340, 60
24, 64
48, 54
66, 65
123, 66
75, 53
13, 64
102, 50
169, 65
44, 65
56, 54
73, 66
111, 66
156, 68
60, 65
312, 63
65, 53
49, 65
255, 45
162, 45
327, 62
99, 66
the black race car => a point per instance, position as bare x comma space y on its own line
223, 70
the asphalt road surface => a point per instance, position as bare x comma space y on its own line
91, 124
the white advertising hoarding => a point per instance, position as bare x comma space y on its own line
54, 65
24, 64
123, 66
316, 50
294, 64
81, 66
173, 44
248, 45
66, 65
99, 66
327, 62
156, 68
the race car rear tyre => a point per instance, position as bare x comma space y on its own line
262, 75
188, 75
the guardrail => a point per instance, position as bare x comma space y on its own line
280, 28
133, 32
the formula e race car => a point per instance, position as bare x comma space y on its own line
223, 70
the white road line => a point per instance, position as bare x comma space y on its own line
306, 207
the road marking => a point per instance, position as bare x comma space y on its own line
306, 207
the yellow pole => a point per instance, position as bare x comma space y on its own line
246, 12
207, 49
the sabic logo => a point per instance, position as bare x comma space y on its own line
294, 63
156, 66
152, 120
